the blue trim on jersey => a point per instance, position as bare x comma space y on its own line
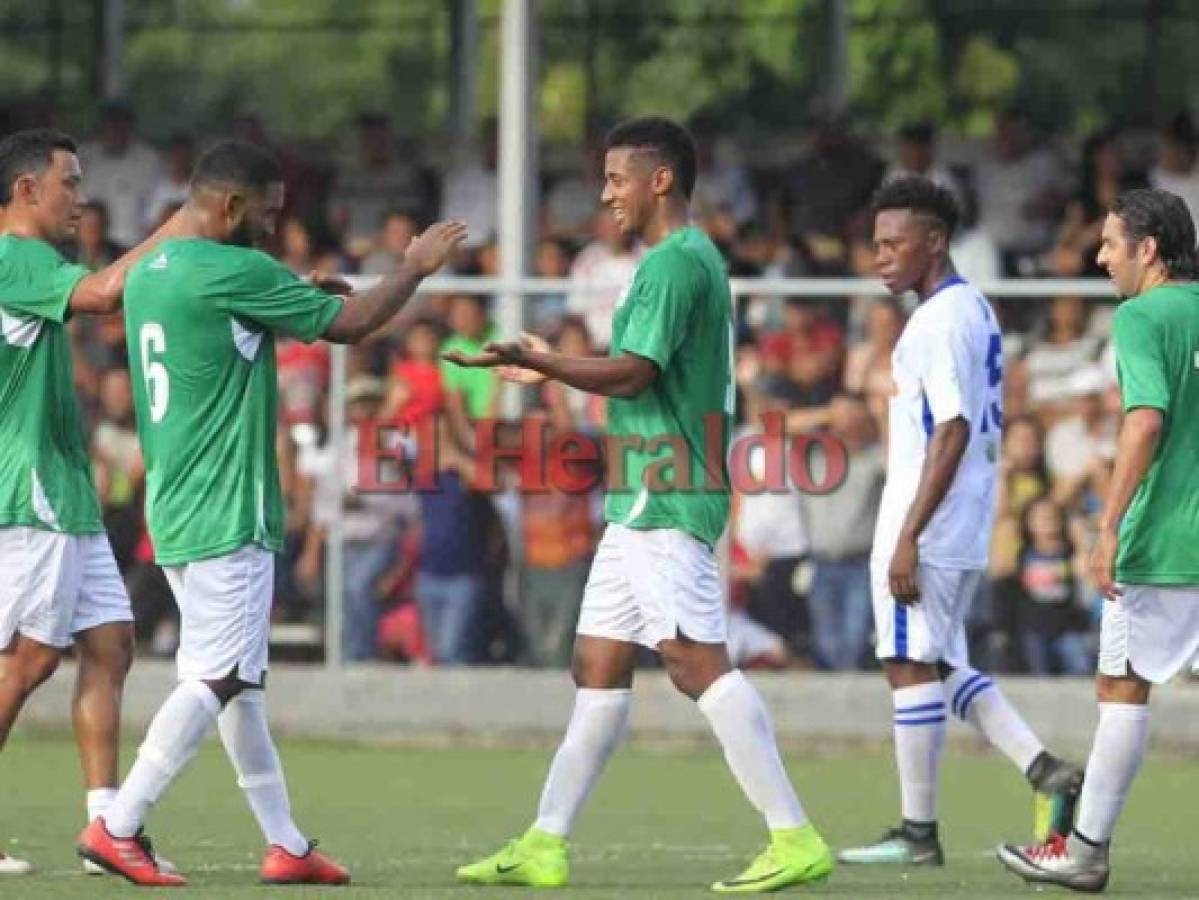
952, 281
926, 415
929, 721
969, 698
962, 688
901, 630
924, 707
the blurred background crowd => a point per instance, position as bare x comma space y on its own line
457, 577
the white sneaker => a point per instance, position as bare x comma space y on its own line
10, 865
1052, 863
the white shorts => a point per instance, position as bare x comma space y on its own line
932, 630
648, 586
224, 614
1152, 629
55, 585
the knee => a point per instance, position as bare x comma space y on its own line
691, 673
1131, 689
906, 673
599, 671
37, 669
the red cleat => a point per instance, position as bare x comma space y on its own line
280, 867
131, 857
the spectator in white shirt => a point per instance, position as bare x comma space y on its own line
1177, 169
600, 275
170, 191
119, 170
470, 191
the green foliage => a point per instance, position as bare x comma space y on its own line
749, 65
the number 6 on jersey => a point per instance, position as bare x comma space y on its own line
152, 340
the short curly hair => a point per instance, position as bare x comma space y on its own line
921, 196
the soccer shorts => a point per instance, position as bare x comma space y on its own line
1152, 629
224, 614
932, 630
55, 585
647, 586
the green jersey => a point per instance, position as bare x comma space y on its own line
1157, 359
671, 441
201, 320
45, 473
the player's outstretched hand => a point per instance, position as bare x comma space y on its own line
431, 248
520, 374
507, 357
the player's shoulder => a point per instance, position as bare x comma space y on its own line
959, 303
22, 251
682, 255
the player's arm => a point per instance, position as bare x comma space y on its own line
941, 460
626, 375
101, 291
945, 358
363, 313
1145, 395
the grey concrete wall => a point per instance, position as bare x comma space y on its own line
389, 703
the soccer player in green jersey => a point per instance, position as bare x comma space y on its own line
1146, 557
60, 581
202, 312
654, 581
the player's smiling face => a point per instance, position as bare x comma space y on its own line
1118, 255
628, 191
903, 249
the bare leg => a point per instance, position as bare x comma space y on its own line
105, 655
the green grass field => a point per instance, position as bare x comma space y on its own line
661, 824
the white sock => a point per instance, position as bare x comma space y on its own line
919, 736
974, 698
742, 724
1116, 756
172, 740
596, 727
98, 801
248, 744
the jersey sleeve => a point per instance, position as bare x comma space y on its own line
1140, 364
661, 298
266, 292
946, 371
40, 285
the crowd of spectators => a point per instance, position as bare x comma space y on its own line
459, 576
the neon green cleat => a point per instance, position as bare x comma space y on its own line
795, 856
535, 859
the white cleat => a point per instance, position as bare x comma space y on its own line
1051, 863
10, 865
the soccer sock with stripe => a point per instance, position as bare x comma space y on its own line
919, 737
248, 744
1116, 756
171, 741
973, 697
741, 723
596, 727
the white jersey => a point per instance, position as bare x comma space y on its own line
948, 363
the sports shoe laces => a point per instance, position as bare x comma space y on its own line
1052, 849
